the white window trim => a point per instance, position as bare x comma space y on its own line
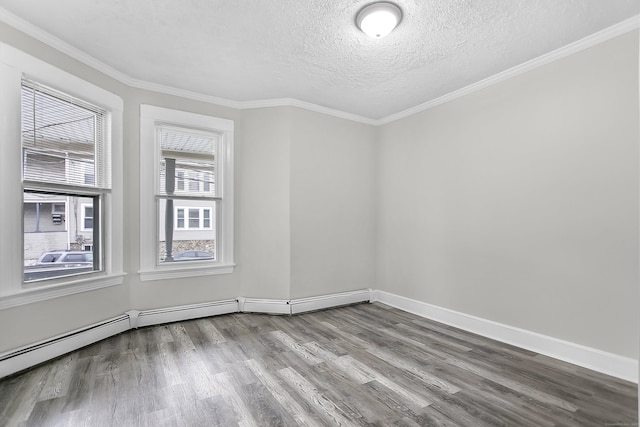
150, 117
14, 65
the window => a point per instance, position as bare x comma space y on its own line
194, 183
185, 154
180, 219
87, 217
63, 145
61, 137
198, 218
189, 188
58, 208
206, 218
89, 175
180, 181
206, 182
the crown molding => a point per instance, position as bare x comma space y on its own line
570, 49
623, 27
54, 42
291, 102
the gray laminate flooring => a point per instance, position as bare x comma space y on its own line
361, 365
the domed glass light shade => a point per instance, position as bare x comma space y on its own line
379, 19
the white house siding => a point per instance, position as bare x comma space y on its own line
37, 243
187, 239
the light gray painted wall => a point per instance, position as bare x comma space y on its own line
163, 293
332, 205
262, 203
519, 203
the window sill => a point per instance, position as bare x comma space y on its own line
46, 292
180, 272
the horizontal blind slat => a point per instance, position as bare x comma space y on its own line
194, 154
62, 138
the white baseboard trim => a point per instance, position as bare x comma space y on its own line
25, 357
608, 363
302, 305
34, 354
266, 306
183, 312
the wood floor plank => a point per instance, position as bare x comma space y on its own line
57, 382
301, 415
362, 365
311, 394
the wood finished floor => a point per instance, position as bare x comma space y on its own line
353, 366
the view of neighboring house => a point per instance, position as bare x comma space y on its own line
56, 223
193, 221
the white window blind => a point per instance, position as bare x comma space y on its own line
194, 154
63, 139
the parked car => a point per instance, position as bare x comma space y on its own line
65, 258
192, 256
59, 263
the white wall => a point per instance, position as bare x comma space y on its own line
332, 205
262, 203
519, 203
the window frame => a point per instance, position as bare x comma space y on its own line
151, 117
14, 66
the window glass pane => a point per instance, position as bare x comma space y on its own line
180, 180
87, 217
206, 218
180, 223
194, 242
55, 243
194, 218
194, 183
206, 182
89, 179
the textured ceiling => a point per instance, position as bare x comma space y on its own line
311, 51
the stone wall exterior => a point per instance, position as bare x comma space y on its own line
188, 245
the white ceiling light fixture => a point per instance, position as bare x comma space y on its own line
378, 19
